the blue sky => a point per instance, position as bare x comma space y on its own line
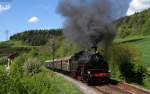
22, 15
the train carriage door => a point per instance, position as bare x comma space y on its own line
61, 65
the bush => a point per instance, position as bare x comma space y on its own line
125, 63
43, 81
10, 85
140, 74
32, 65
16, 70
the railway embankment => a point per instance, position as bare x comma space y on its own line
118, 88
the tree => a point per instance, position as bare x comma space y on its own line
146, 27
36, 37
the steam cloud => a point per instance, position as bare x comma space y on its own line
88, 22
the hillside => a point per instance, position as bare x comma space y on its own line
135, 30
36, 37
137, 24
10, 47
142, 43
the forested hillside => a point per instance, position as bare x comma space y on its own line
137, 24
36, 37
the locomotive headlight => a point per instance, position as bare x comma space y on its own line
89, 72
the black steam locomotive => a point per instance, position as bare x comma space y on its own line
88, 66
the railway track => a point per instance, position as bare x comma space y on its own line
110, 89
117, 88
120, 88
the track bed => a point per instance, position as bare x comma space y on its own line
101, 88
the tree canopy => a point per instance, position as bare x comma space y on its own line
36, 37
137, 24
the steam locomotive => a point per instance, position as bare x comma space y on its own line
89, 66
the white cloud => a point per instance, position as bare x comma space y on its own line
4, 7
138, 6
33, 19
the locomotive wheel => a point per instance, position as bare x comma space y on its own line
88, 79
107, 80
78, 75
83, 78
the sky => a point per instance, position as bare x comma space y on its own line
138, 6
20, 15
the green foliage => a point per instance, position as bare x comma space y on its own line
146, 81
125, 63
3, 60
137, 24
47, 83
143, 44
36, 37
146, 27
10, 85
16, 70
140, 74
32, 66
43, 82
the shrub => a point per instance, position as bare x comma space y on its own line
32, 65
125, 63
140, 73
16, 70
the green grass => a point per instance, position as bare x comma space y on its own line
144, 46
143, 43
129, 39
10, 46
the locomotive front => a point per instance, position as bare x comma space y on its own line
97, 69
91, 66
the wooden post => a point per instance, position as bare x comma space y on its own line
7, 67
9, 60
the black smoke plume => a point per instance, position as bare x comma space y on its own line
88, 22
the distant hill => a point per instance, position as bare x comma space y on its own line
36, 37
137, 24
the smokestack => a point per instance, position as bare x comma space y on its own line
87, 22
